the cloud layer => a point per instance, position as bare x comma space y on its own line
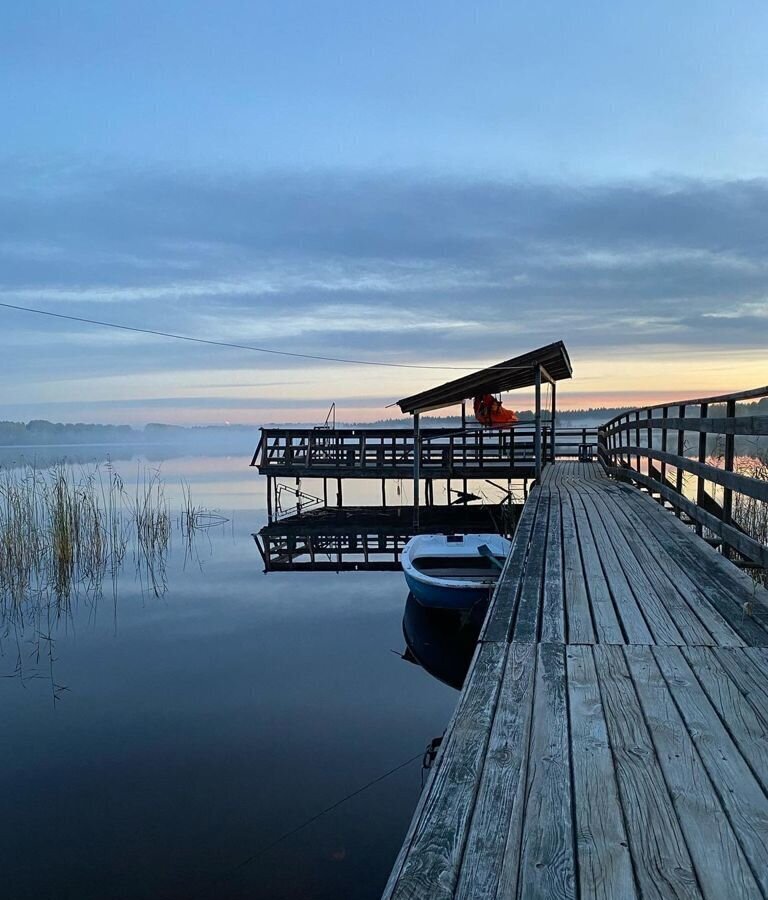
395, 267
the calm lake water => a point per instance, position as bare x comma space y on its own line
193, 729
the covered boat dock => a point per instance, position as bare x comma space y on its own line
548, 364
426, 455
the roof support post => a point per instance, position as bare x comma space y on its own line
554, 423
416, 469
537, 434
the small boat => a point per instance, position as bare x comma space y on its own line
453, 571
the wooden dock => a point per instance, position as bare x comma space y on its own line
611, 738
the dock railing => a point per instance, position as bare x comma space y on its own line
706, 458
371, 452
377, 449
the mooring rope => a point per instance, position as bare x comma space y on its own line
297, 828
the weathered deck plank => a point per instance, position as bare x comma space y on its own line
748, 729
498, 621
662, 864
546, 864
496, 823
727, 588
741, 796
529, 607
717, 857
553, 607
430, 867
705, 609
603, 611
660, 621
577, 613
632, 619
638, 530
605, 866
750, 681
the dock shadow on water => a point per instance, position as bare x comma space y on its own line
66, 535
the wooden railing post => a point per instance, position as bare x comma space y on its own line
649, 434
680, 452
728, 462
664, 433
537, 436
554, 421
700, 487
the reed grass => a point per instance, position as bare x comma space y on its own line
64, 530
749, 512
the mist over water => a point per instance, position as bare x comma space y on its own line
152, 744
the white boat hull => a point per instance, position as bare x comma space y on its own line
448, 571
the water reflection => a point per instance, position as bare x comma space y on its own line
66, 534
214, 719
441, 641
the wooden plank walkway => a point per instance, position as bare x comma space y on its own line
611, 739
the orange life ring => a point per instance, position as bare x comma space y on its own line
489, 411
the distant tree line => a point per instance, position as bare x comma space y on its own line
41, 431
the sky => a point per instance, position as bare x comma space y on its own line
433, 184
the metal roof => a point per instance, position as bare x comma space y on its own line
519, 372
